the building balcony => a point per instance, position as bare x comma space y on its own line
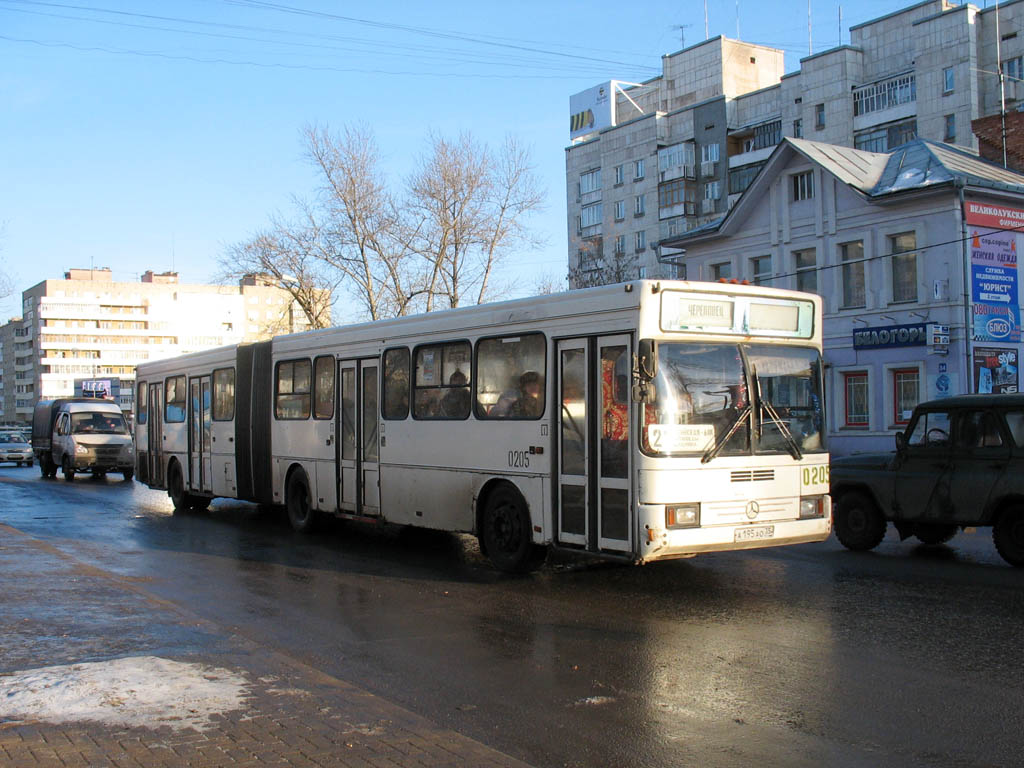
753, 156
685, 208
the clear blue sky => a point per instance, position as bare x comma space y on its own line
131, 129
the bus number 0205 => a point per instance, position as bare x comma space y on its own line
816, 475
518, 459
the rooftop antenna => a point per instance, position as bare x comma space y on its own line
706, 33
810, 48
172, 252
1002, 85
682, 33
840, 25
737, 19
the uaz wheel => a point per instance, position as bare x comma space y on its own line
859, 524
1008, 536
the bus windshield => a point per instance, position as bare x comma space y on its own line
729, 399
98, 424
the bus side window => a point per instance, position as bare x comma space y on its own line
323, 388
511, 374
174, 399
442, 381
395, 405
142, 403
224, 394
292, 390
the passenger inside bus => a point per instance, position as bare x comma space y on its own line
522, 403
456, 400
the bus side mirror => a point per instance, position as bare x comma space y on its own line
647, 359
645, 393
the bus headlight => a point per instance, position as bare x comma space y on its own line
682, 515
812, 506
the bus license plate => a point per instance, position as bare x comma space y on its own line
753, 533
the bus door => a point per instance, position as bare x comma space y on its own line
595, 443
199, 447
358, 447
155, 436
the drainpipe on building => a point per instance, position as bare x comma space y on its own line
964, 240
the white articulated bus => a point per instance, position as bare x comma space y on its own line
642, 421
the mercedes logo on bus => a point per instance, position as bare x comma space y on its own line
752, 509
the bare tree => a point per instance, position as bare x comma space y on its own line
361, 233
594, 267
464, 212
284, 254
471, 205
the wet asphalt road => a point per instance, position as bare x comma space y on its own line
803, 656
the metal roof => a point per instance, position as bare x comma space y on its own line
855, 167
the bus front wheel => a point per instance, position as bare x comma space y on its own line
507, 534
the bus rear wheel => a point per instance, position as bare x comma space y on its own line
507, 533
301, 514
176, 488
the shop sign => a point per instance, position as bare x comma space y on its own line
913, 335
995, 371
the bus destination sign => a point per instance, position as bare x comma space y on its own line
754, 316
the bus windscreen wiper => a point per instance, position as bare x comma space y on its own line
783, 428
715, 449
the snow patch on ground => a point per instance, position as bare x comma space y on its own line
135, 691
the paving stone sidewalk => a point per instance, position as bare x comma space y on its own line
56, 610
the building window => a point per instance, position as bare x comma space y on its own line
620, 210
675, 156
641, 240
855, 387
904, 266
721, 271
950, 134
641, 272
806, 270
590, 215
761, 269
709, 153
798, 129
887, 137
620, 244
819, 116
441, 387
590, 181
741, 178
803, 186
638, 205
947, 80
638, 169
620, 174
711, 190
767, 135
906, 392
1014, 68
888, 93
672, 193
852, 257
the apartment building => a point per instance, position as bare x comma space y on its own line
652, 161
89, 326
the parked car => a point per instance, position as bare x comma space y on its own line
82, 435
13, 447
959, 463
